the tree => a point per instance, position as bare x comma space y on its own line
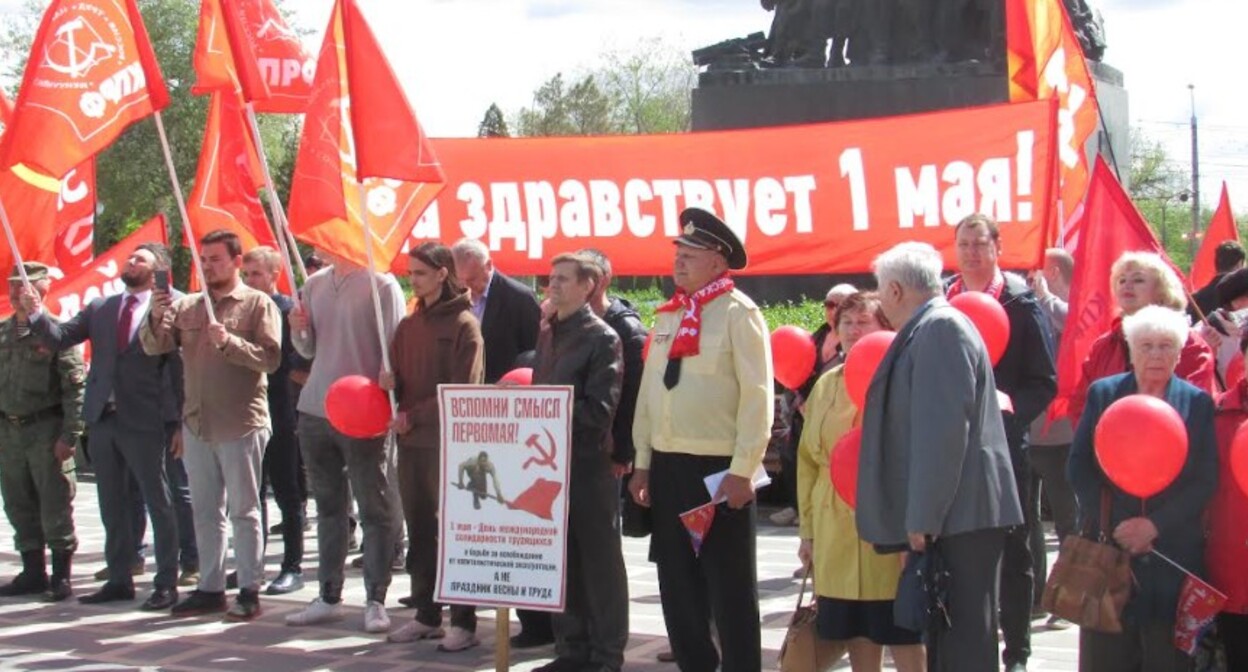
1162, 192
492, 124
644, 89
132, 180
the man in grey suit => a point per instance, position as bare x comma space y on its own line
131, 397
934, 472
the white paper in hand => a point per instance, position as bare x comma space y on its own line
713, 481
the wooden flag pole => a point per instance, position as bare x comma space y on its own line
280, 225
502, 639
186, 219
372, 284
17, 254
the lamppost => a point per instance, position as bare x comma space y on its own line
1182, 195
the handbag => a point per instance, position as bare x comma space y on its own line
803, 650
1091, 580
922, 598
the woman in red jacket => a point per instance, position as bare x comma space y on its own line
1142, 279
1226, 551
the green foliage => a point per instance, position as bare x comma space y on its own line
493, 125
132, 180
645, 89
805, 314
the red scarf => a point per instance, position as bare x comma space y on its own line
993, 289
688, 334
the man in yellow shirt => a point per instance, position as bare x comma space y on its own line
705, 406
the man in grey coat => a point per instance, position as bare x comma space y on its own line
934, 472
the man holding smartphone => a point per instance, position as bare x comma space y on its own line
131, 399
227, 355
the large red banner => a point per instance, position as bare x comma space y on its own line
808, 199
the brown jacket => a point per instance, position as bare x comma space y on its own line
435, 345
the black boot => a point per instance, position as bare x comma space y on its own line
33, 578
59, 587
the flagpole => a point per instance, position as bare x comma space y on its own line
17, 254
275, 207
186, 219
372, 284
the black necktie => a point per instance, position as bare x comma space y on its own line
671, 375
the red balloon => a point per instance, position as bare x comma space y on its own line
357, 407
862, 361
521, 376
989, 318
793, 355
1141, 444
843, 466
1239, 457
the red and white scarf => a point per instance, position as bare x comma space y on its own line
994, 288
689, 334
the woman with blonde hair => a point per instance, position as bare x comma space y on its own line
1140, 279
854, 584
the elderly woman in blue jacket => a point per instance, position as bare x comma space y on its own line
1168, 522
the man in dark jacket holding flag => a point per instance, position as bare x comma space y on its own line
1026, 374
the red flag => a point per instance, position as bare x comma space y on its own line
358, 118
698, 522
102, 278
91, 74
538, 499
228, 181
1118, 228
1046, 61
75, 219
1199, 604
246, 46
1221, 229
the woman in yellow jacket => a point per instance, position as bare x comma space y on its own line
854, 584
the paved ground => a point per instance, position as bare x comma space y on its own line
70, 636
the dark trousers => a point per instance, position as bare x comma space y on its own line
122, 456
1233, 631
1018, 581
1048, 470
721, 583
180, 493
593, 628
419, 488
1138, 648
974, 561
283, 469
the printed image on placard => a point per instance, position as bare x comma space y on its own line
504, 495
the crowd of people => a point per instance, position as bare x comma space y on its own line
192, 403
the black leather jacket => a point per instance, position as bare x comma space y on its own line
584, 352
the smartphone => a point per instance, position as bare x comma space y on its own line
162, 280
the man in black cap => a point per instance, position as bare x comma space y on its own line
705, 407
1228, 257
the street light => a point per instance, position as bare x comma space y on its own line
1182, 195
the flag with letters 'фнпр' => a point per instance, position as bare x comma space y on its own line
362, 147
91, 74
247, 47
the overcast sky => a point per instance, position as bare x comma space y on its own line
455, 57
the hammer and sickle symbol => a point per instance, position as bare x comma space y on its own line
547, 459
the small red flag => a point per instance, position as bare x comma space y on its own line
1199, 604
91, 73
538, 499
698, 522
1221, 229
360, 127
1115, 227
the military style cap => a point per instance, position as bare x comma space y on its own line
704, 231
34, 271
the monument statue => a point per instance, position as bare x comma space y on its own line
836, 33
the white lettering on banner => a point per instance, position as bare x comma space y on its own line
283, 71
125, 82
851, 169
946, 195
1072, 98
71, 304
72, 193
525, 215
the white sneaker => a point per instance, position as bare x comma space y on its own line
458, 639
415, 630
317, 612
375, 618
